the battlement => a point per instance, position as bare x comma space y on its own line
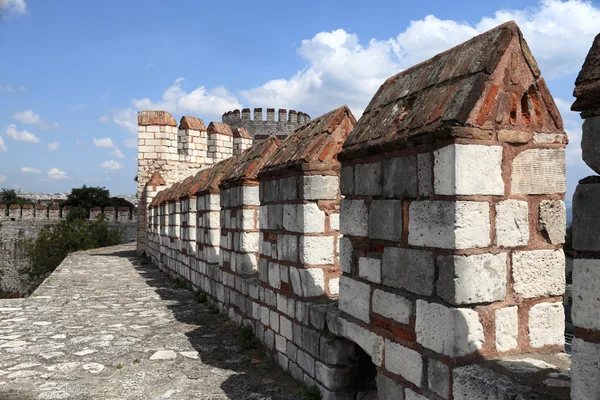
259, 128
41, 212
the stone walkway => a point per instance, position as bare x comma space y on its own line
102, 326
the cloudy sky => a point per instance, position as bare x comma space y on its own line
74, 73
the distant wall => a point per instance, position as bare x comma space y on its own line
262, 129
13, 232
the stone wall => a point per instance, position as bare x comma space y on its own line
15, 230
447, 281
262, 129
585, 311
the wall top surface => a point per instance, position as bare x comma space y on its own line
156, 118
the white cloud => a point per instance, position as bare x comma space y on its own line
2, 178
22, 136
200, 101
105, 143
111, 165
339, 70
55, 174
118, 153
2, 145
53, 146
126, 118
10, 89
17, 7
30, 170
131, 143
29, 117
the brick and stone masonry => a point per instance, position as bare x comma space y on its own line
260, 129
585, 311
450, 201
454, 180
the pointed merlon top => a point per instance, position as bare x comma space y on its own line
250, 162
156, 180
191, 123
220, 128
587, 84
487, 83
241, 133
161, 118
316, 142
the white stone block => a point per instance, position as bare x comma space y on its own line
539, 171
512, 223
354, 217
369, 269
410, 395
250, 195
478, 278
403, 361
467, 169
319, 187
355, 298
334, 222
370, 342
345, 255
539, 273
507, 328
312, 281
585, 374
316, 250
546, 324
287, 247
334, 286
307, 218
453, 332
274, 278
249, 241
385, 220
586, 289
438, 377
449, 225
553, 220
393, 306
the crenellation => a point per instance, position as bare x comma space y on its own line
439, 261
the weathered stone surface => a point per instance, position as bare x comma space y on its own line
449, 331
438, 376
388, 389
586, 84
553, 220
347, 181
315, 187
449, 225
479, 278
403, 361
590, 143
346, 257
539, 273
400, 177
539, 171
514, 136
354, 218
316, 250
585, 374
369, 269
411, 395
507, 328
468, 170
385, 220
425, 173
585, 310
370, 342
546, 324
476, 382
355, 298
586, 214
368, 179
512, 223
392, 306
118, 314
410, 269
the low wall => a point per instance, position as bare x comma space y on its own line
12, 257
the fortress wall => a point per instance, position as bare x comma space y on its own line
448, 278
282, 126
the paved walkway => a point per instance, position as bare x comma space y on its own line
102, 326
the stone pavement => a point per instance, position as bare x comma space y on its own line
103, 326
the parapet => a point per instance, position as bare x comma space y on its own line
192, 123
258, 128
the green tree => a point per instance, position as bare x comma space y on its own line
88, 197
9, 196
56, 241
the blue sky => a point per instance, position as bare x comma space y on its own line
74, 73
